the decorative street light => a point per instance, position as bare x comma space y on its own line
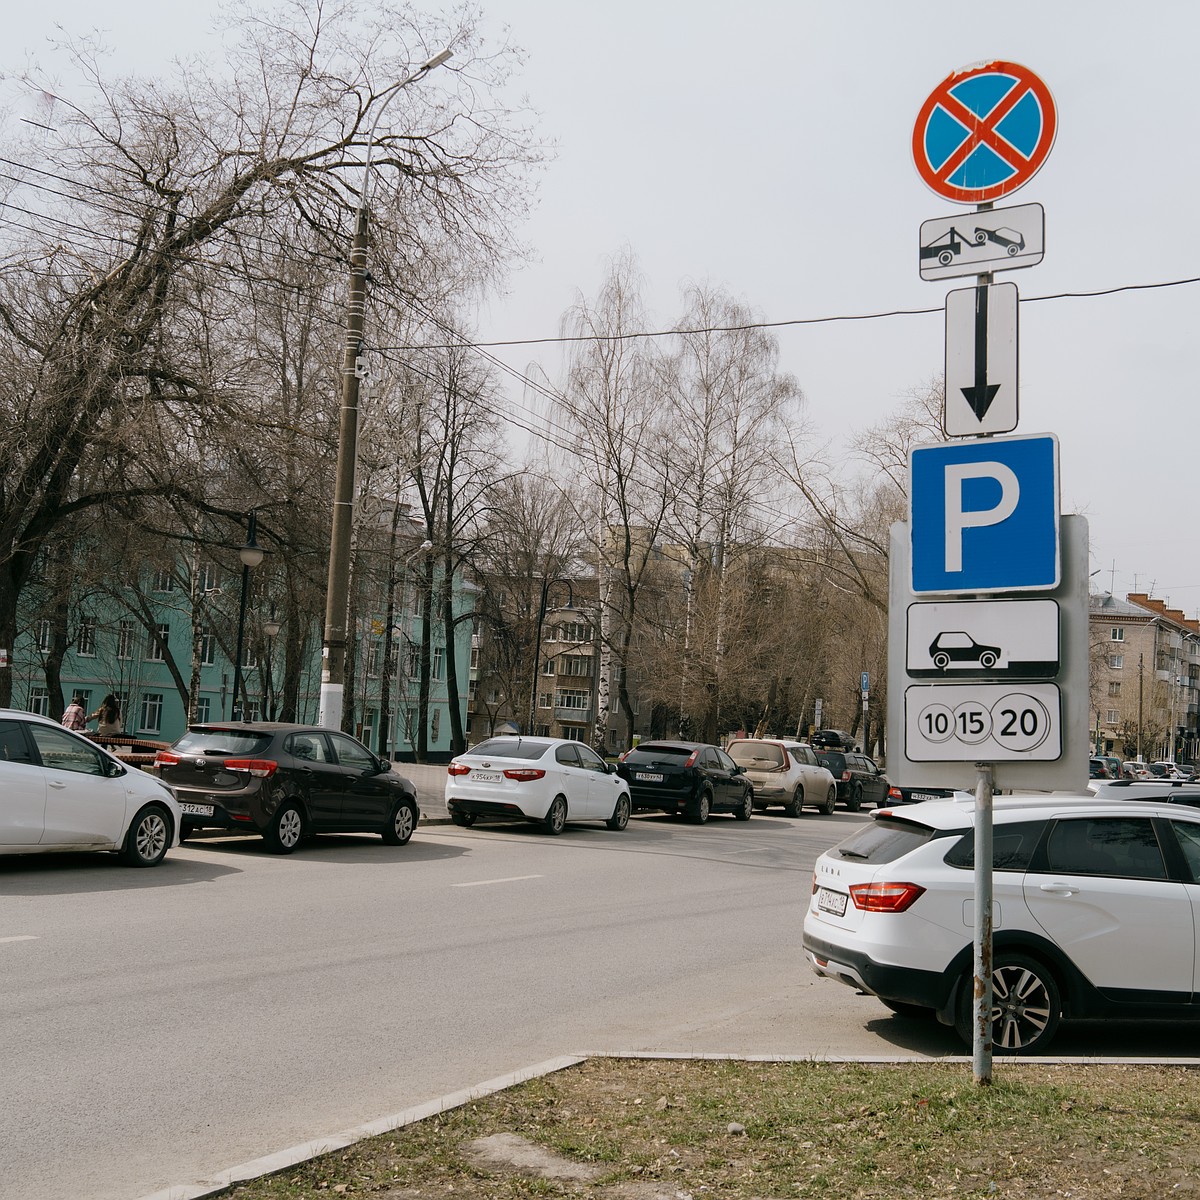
251, 555
537, 642
333, 668
271, 628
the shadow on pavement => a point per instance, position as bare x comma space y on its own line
363, 849
80, 873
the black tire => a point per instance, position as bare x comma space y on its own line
795, 806
465, 819
620, 817
699, 809
401, 824
902, 1008
286, 829
830, 800
1026, 1006
148, 837
987, 661
555, 820
745, 810
941, 661
854, 800
185, 831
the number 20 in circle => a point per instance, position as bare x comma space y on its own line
1020, 721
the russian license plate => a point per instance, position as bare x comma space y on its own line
197, 810
486, 776
831, 902
924, 796
648, 776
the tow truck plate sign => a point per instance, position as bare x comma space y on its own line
983, 722
999, 239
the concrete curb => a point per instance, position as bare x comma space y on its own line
270, 1164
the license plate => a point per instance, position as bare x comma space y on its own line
486, 776
197, 810
648, 776
831, 902
924, 796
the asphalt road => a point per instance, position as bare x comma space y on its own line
158, 1026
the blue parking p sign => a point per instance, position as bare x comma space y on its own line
983, 515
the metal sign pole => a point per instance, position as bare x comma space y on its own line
982, 1040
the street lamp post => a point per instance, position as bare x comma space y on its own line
271, 628
537, 641
333, 667
251, 555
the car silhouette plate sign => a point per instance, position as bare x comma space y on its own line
983, 639
1002, 239
983, 722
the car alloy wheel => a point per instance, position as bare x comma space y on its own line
854, 801
556, 817
620, 818
1026, 1006
795, 806
701, 808
400, 827
148, 837
747, 807
286, 829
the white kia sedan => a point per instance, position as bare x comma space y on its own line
60, 792
546, 780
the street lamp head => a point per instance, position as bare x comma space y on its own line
251, 553
427, 545
271, 628
438, 59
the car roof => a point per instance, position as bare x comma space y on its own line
24, 715
259, 727
955, 813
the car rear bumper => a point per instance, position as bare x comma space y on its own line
929, 989
492, 810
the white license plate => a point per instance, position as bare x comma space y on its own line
197, 810
648, 776
486, 776
831, 902
924, 796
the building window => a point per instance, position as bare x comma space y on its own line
373, 658
1117, 633
157, 641
206, 581
544, 700
542, 731
203, 710
87, 637
1114, 716
576, 664
474, 658
250, 711
1114, 689
208, 649
39, 702
493, 696
548, 667
575, 632
249, 655
164, 581
418, 604
43, 635
1116, 661
570, 698
439, 656
472, 687
150, 714
573, 733
125, 639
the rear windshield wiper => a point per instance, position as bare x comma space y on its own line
852, 854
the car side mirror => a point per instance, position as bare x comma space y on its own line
113, 770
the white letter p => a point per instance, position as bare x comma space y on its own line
957, 519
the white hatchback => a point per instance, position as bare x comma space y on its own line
784, 772
547, 780
1096, 906
60, 792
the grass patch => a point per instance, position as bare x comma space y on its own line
662, 1127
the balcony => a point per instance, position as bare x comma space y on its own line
572, 716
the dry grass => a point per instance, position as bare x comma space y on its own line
662, 1129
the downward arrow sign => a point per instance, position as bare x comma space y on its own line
980, 396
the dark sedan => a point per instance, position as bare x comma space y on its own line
692, 778
284, 782
859, 780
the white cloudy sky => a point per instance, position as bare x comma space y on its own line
764, 146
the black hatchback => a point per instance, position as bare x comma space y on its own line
686, 777
285, 782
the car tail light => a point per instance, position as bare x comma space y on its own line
894, 793
846, 777
885, 897
260, 768
524, 774
691, 762
458, 769
166, 758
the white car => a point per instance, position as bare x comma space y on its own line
547, 780
59, 792
1094, 913
784, 772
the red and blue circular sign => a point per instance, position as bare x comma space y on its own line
984, 132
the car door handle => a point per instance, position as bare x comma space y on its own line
1059, 889
57, 784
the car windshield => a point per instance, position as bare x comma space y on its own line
884, 840
764, 755
221, 741
659, 754
527, 748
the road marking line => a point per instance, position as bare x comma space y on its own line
23, 937
485, 882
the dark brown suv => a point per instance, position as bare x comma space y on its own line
285, 782
859, 780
